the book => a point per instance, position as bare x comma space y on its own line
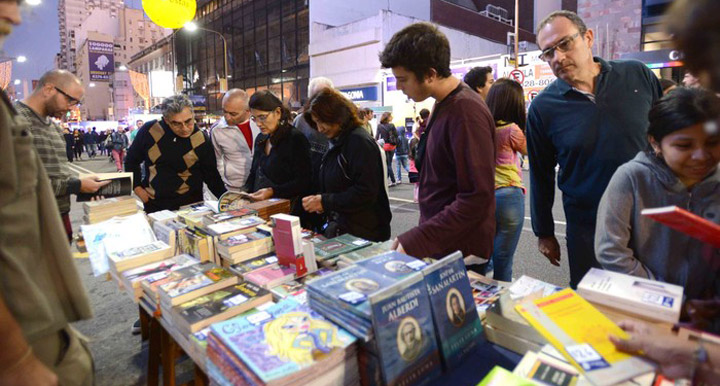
581, 333
404, 333
243, 247
194, 281
547, 369
504, 319
288, 343
336, 246
509, 340
140, 255
133, 277
457, 325
236, 226
686, 222
194, 242
214, 218
168, 231
121, 184
192, 215
374, 249
485, 291
393, 264
253, 264
102, 210
231, 200
271, 276
498, 376
217, 306
644, 298
287, 236
162, 216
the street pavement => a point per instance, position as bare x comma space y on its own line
120, 358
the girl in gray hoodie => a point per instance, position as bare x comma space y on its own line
680, 167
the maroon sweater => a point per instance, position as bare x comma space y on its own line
457, 180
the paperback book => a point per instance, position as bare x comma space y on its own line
393, 264
254, 264
194, 281
120, 185
686, 222
140, 255
133, 277
271, 276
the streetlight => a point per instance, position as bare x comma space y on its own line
17, 82
92, 84
21, 59
33, 2
191, 26
123, 68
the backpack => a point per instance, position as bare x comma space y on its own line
392, 134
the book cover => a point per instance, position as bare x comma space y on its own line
349, 288
404, 333
282, 340
120, 185
238, 298
393, 264
235, 225
686, 222
192, 278
157, 269
457, 325
271, 276
162, 216
213, 218
139, 251
254, 264
361, 254
647, 299
498, 376
287, 236
580, 332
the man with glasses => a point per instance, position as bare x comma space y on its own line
589, 121
233, 137
178, 158
58, 91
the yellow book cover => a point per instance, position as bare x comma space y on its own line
580, 332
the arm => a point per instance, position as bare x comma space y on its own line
543, 158
208, 166
518, 142
363, 169
614, 228
61, 179
301, 169
135, 156
471, 138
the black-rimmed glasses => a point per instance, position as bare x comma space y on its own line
73, 101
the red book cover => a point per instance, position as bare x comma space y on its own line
286, 235
686, 222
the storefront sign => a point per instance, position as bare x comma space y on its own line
361, 94
100, 60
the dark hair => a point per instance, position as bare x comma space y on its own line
265, 100
694, 28
666, 84
477, 77
680, 109
330, 106
385, 117
418, 48
424, 114
572, 16
506, 101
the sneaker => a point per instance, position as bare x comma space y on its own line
135, 329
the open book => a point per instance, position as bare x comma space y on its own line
121, 184
686, 222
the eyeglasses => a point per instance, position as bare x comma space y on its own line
72, 101
563, 45
180, 125
259, 118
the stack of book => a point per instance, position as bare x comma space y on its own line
192, 215
133, 257
216, 306
245, 267
290, 248
168, 232
327, 251
352, 257
163, 217
267, 208
296, 288
286, 344
196, 242
214, 218
243, 247
191, 283
485, 291
271, 276
235, 226
506, 328
132, 278
101, 210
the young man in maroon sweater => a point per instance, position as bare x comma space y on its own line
456, 153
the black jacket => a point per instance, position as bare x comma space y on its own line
175, 167
353, 187
384, 131
287, 169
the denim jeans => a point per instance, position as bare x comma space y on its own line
388, 162
402, 160
509, 218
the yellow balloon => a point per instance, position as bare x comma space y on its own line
170, 13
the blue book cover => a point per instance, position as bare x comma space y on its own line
393, 264
457, 323
281, 340
404, 333
349, 288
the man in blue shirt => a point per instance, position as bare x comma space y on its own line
589, 121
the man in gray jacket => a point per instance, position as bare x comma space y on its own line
233, 137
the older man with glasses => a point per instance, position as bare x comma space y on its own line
178, 158
57, 92
589, 121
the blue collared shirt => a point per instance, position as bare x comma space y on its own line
588, 139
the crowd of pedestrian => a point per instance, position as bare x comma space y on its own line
615, 140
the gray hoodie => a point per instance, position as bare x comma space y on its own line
627, 242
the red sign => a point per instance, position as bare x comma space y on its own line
517, 75
532, 94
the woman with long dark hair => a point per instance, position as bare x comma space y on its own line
387, 132
506, 102
352, 186
281, 165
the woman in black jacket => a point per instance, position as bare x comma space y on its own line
281, 165
351, 174
387, 132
